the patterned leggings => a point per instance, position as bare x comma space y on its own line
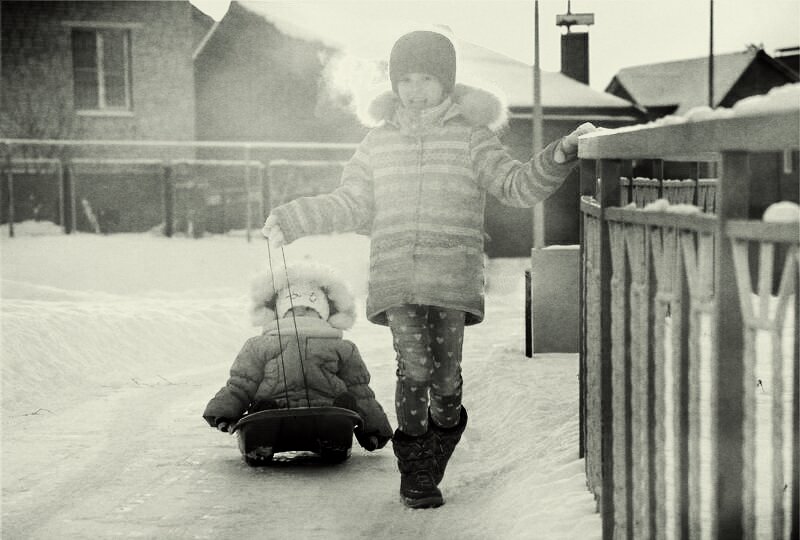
428, 343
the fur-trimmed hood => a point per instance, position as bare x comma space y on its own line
263, 293
479, 107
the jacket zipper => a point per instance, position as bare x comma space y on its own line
417, 209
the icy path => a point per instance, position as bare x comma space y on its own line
117, 447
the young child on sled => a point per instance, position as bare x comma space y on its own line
262, 377
418, 183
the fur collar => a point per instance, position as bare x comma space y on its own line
480, 108
264, 288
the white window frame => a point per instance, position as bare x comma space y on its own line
102, 108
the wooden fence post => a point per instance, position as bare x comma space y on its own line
169, 200
608, 196
588, 185
733, 190
10, 191
795, 495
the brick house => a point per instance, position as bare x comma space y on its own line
96, 70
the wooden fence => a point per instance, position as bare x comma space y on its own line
233, 187
689, 356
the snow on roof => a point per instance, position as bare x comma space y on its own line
515, 78
372, 38
683, 82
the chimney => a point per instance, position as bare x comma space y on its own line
575, 45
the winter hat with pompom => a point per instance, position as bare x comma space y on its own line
304, 280
423, 51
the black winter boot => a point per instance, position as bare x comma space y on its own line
415, 459
445, 441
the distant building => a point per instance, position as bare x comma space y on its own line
789, 57
111, 70
117, 70
675, 87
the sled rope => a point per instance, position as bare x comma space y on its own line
278, 326
296, 333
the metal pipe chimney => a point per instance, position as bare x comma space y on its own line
575, 45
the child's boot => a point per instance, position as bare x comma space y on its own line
445, 441
418, 469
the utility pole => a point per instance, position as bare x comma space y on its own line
711, 54
536, 118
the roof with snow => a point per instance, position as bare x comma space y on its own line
683, 83
515, 79
511, 78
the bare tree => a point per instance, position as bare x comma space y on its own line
36, 103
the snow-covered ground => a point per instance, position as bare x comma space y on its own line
112, 345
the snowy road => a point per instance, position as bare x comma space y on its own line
103, 438
143, 466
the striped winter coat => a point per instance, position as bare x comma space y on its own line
418, 186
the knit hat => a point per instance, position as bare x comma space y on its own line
302, 294
423, 51
269, 294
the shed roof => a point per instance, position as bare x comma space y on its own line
683, 83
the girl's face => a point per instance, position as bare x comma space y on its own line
420, 91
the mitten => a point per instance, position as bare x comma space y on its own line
223, 424
567, 147
272, 232
371, 441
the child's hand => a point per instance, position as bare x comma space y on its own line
567, 148
272, 232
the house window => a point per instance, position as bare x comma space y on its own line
101, 69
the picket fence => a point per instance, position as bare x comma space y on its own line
688, 352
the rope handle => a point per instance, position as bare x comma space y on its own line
294, 322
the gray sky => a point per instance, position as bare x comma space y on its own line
625, 33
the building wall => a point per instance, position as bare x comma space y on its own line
255, 83
38, 102
37, 67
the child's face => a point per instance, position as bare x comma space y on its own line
420, 91
303, 311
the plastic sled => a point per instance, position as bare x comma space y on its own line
325, 431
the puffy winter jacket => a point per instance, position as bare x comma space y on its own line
418, 186
332, 365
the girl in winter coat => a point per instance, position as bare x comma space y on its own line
269, 369
418, 184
